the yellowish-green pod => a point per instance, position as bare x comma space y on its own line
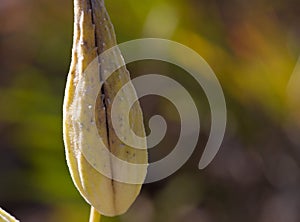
6, 217
93, 34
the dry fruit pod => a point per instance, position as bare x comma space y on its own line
107, 172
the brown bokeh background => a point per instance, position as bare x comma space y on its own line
253, 47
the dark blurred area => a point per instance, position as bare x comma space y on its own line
253, 47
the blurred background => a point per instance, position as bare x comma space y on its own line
253, 47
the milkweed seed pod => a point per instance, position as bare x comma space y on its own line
5, 217
107, 172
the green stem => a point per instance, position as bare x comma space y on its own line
95, 216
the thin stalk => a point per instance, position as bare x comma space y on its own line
95, 216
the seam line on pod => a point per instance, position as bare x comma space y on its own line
102, 90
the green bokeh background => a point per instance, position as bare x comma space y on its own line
253, 47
